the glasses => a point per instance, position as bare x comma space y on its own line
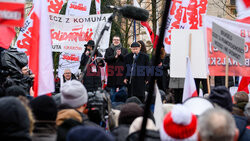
116, 39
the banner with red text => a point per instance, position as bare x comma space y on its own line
216, 59
68, 61
70, 33
55, 6
12, 12
78, 7
184, 14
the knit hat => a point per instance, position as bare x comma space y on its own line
135, 44
129, 113
74, 94
221, 96
136, 125
15, 91
89, 133
179, 124
14, 120
44, 108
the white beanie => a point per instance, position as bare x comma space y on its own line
136, 125
74, 94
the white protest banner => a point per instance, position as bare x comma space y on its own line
71, 33
184, 14
68, 61
228, 43
12, 12
217, 59
24, 37
78, 7
98, 6
180, 49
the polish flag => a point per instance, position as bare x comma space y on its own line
6, 36
243, 10
98, 6
40, 60
147, 28
243, 86
189, 84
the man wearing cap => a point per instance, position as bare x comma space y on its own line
114, 57
135, 72
92, 77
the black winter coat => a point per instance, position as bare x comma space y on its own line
115, 66
149, 136
139, 75
241, 123
91, 80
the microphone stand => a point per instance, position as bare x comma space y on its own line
105, 28
132, 69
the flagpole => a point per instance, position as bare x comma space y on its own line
155, 62
135, 30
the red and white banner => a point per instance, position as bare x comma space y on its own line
6, 36
78, 7
40, 59
98, 6
69, 61
12, 12
184, 14
216, 59
243, 8
55, 5
189, 84
70, 33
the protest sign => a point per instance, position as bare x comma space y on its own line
68, 61
180, 50
78, 7
217, 59
228, 43
184, 14
70, 33
12, 12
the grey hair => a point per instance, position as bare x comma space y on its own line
216, 125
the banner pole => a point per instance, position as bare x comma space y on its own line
208, 84
190, 46
227, 68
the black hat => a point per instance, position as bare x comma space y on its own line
90, 43
135, 44
221, 96
44, 108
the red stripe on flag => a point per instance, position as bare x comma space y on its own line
6, 36
195, 94
247, 3
34, 51
243, 86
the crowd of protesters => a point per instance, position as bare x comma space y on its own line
83, 110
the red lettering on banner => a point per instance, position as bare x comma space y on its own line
25, 42
78, 7
55, 6
98, 1
71, 57
193, 14
202, 10
72, 36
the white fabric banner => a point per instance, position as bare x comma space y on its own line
184, 14
71, 33
78, 7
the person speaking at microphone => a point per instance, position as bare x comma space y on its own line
135, 72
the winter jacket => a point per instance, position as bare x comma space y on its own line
115, 65
44, 131
121, 132
241, 123
150, 135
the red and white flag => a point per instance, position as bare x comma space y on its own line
243, 86
40, 60
98, 6
243, 10
189, 84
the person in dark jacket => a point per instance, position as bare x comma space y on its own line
14, 120
92, 77
241, 123
45, 111
136, 71
115, 58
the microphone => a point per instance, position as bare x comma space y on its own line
132, 12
